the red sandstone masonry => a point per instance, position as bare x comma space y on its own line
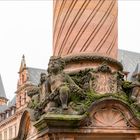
85, 26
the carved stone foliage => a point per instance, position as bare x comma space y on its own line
100, 80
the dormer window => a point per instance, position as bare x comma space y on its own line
2, 117
13, 111
7, 114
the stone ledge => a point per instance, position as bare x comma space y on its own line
59, 120
92, 58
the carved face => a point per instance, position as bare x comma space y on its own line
54, 66
42, 77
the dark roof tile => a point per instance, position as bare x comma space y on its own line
34, 74
129, 61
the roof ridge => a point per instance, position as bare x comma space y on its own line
129, 51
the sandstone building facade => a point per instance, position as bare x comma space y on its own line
10, 113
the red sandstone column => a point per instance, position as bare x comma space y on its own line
85, 27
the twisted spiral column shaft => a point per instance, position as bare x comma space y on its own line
85, 26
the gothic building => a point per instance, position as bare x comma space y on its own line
11, 111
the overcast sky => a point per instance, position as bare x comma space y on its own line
26, 28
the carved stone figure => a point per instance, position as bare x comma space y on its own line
37, 96
33, 93
42, 86
120, 80
60, 85
135, 96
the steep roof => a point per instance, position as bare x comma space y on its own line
137, 69
2, 91
3, 108
7, 106
129, 60
34, 74
12, 102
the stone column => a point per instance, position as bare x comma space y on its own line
84, 28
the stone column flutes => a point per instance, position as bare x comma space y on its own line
85, 26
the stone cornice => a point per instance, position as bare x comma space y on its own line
22, 87
93, 58
3, 98
8, 120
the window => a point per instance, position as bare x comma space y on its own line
24, 97
15, 130
12, 111
5, 134
4, 116
10, 132
0, 136
7, 114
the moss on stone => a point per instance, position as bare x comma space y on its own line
127, 86
92, 96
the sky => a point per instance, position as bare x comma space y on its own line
26, 28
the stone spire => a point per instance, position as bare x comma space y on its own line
85, 27
23, 64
